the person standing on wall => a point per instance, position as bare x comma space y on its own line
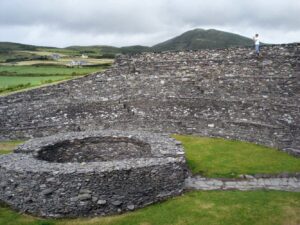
256, 43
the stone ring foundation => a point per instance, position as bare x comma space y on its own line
92, 173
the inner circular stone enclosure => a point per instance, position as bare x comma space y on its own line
92, 173
93, 149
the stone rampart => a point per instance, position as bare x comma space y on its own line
227, 93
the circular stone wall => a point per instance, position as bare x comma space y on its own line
93, 149
91, 173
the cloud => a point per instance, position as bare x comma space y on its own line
126, 22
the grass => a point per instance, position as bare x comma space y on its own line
24, 66
16, 87
63, 61
11, 81
193, 208
216, 157
13, 78
7, 146
10, 217
41, 53
46, 70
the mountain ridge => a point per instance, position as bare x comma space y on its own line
203, 39
195, 39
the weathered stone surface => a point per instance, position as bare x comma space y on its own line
83, 197
101, 202
40, 185
130, 207
227, 92
117, 203
284, 184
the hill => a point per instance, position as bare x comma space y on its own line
135, 49
190, 40
203, 39
10, 46
96, 51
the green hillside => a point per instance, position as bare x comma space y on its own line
9, 46
104, 50
203, 39
96, 51
190, 40
135, 49
27, 66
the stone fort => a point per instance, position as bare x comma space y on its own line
224, 93
101, 143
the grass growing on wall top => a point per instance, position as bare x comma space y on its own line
7, 146
217, 157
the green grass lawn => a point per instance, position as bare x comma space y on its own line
193, 208
216, 157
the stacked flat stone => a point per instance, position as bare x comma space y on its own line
290, 183
227, 93
46, 178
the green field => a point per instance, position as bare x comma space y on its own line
25, 66
63, 62
14, 78
19, 53
217, 157
46, 70
7, 81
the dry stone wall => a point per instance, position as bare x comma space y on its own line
228, 93
32, 183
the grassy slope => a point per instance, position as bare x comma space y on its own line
203, 39
10, 46
193, 208
14, 78
47, 70
216, 157
62, 62
193, 39
15, 52
24, 74
9, 81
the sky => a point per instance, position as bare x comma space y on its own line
62, 23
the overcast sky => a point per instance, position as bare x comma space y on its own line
143, 22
